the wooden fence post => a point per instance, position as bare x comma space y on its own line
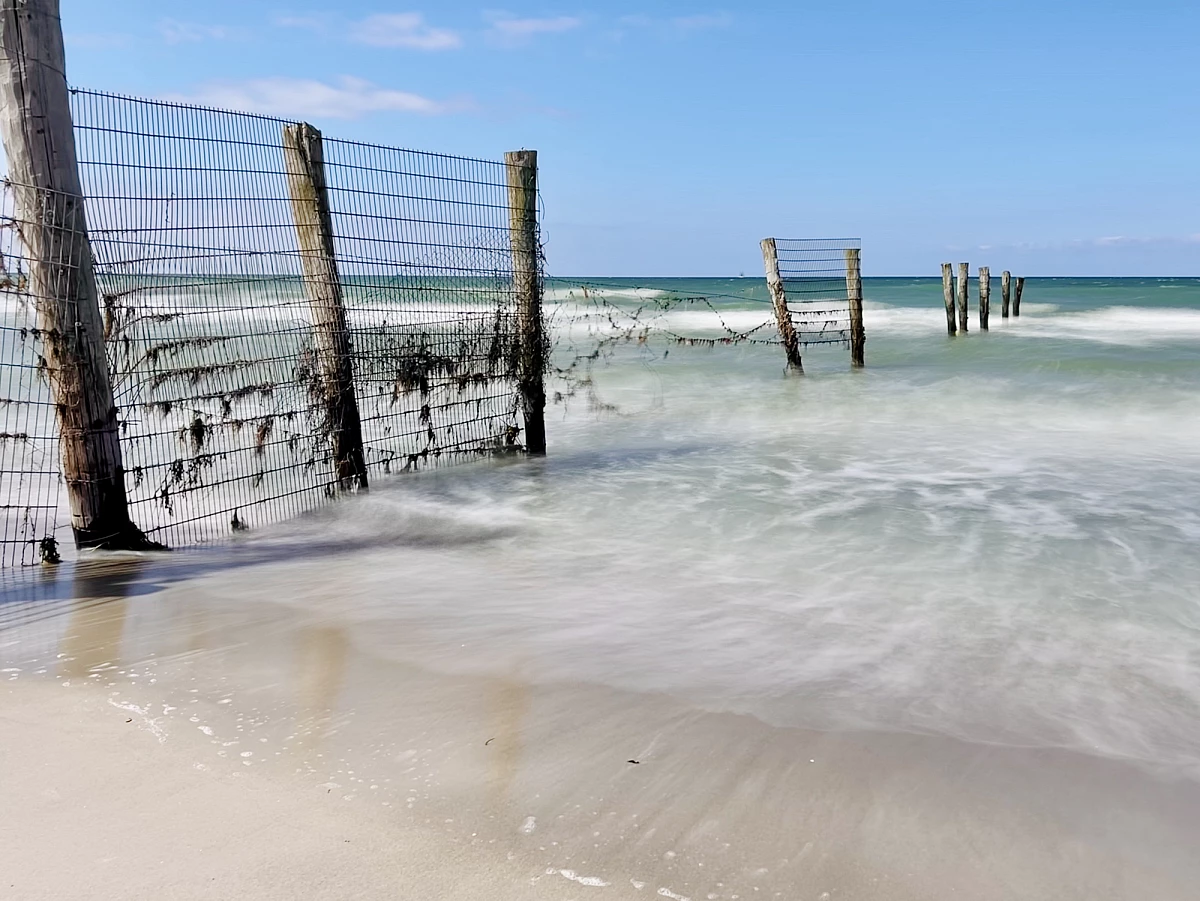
948, 297
304, 162
1017, 296
858, 335
527, 282
787, 329
985, 296
963, 280
1005, 292
35, 123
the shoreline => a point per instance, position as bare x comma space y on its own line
260, 734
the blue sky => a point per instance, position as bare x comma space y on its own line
1055, 138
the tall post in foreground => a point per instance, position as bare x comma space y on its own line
963, 270
985, 296
858, 335
1017, 296
35, 122
1005, 292
304, 162
523, 233
787, 329
948, 297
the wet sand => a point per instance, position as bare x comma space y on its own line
162, 740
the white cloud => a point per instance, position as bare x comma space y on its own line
349, 98
509, 29
176, 32
403, 30
99, 40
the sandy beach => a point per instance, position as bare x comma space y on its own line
161, 741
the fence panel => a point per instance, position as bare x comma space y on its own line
209, 331
30, 477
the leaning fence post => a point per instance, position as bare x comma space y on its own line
858, 336
305, 165
948, 297
527, 282
35, 122
985, 296
1005, 292
787, 329
1017, 296
963, 280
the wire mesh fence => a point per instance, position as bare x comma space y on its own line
30, 476
813, 271
213, 333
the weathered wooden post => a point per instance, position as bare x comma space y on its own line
304, 162
1017, 296
787, 329
527, 282
985, 296
1005, 292
35, 123
948, 297
963, 280
858, 335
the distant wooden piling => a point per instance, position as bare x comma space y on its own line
948, 296
1017, 296
49, 217
858, 335
985, 296
1005, 292
963, 281
523, 235
304, 162
787, 329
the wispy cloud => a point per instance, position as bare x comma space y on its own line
348, 98
509, 29
403, 30
317, 23
678, 25
702, 21
177, 32
99, 40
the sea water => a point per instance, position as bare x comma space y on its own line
992, 537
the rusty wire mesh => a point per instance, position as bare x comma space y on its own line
209, 329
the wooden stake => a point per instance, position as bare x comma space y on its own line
963, 280
35, 123
985, 296
948, 296
858, 335
527, 282
787, 330
1005, 292
1017, 296
304, 162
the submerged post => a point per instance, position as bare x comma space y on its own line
1017, 296
35, 122
527, 282
305, 165
858, 336
963, 270
1005, 292
948, 297
985, 296
787, 329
